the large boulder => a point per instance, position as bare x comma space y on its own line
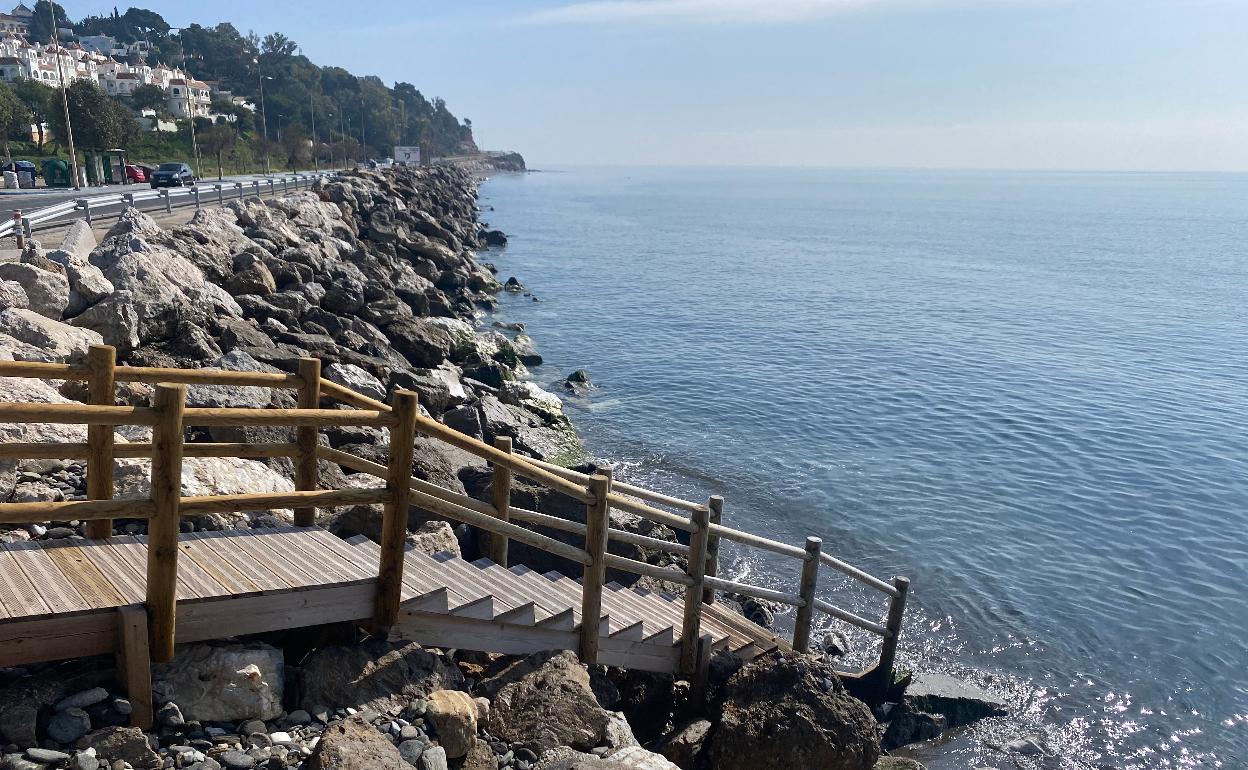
959, 702
423, 343
630, 758
354, 744
357, 379
246, 397
376, 675
545, 701
208, 476
12, 295
225, 683
454, 715
46, 290
60, 341
789, 710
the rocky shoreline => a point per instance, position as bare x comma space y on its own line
376, 274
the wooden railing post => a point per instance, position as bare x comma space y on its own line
101, 389
810, 582
597, 524
888, 650
162, 531
306, 473
691, 628
394, 525
716, 505
500, 493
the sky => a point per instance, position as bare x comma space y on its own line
980, 84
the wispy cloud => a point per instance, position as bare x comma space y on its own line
723, 11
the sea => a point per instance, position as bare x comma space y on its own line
1025, 391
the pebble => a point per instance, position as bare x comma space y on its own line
46, 756
411, 751
237, 760
433, 758
252, 727
298, 717
122, 706
69, 725
409, 733
82, 699
280, 737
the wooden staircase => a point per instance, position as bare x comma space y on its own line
518, 610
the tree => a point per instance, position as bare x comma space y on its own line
278, 45
100, 121
148, 97
40, 102
13, 115
47, 17
217, 140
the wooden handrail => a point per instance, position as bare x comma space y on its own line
267, 501
518, 464
74, 510
850, 618
153, 375
78, 414
213, 416
83, 451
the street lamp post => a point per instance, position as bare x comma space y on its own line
69, 127
316, 165
264, 121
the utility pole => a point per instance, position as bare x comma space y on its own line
69, 127
190, 108
363, 145
264, 119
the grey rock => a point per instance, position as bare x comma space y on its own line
411, 750
12, 295
237, 760
69, 725
433, 758
357, 379
46, 291
46, 756
82, 699
376, 675
960, 702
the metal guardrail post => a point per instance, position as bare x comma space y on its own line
168, 205
272, 189
239, 185
85, 205
256, 184
195, 192
26, 228
285, 185
220, 195
128, 199
18, 232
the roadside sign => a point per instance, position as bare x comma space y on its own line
407, 156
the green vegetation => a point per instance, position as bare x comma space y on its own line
312, 114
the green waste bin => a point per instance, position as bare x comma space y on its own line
56, 173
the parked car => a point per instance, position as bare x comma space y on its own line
20, 166
172, 175
136, 173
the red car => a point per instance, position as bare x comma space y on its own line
136, 173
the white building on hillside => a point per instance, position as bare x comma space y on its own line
189, 98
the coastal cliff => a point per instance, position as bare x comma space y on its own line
376, 274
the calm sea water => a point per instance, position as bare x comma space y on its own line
1026, 391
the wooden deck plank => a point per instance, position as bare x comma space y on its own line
298, 572
193, 582
346, 553
226, 547
55, 589
125, 580
539, 585
329, 571
91, 583
658, 614
456, 572
192, 546
282, 576
17, 593
572, 591
417, 579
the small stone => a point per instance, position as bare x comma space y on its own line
82, 699
47, 756
433, 758
169, 715
253, 726
298, 717
122, 706
411, 750
280, 737
409, 733
69, 725
236, 760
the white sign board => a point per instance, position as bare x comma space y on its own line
407, 156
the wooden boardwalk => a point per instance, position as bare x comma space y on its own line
139, 597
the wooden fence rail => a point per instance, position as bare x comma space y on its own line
169, 417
